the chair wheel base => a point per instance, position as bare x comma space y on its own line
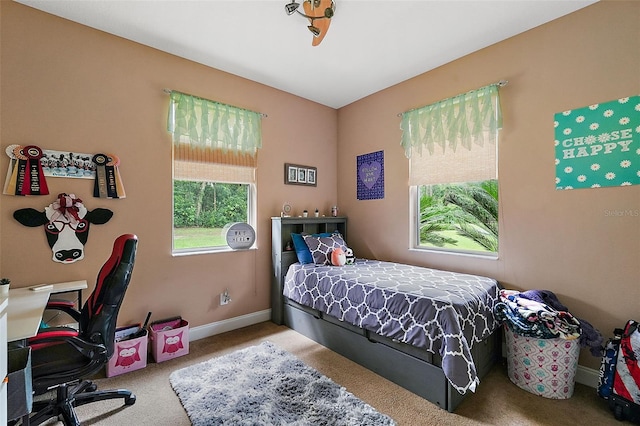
130, 400
62, 406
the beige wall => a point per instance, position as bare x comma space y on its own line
71, 88
557, 240
68, 87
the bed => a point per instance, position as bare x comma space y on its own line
430, 331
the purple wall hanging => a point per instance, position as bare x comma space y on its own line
370, 169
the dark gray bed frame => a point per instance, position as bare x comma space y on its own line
412, 368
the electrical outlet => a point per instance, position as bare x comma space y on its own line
224, 297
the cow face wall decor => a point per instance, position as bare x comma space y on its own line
66, 223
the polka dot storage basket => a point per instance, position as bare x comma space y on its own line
545, 367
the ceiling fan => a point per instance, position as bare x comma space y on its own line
319, 14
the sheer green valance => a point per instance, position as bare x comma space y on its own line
471, 118
208, 125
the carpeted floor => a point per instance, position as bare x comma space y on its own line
496, 402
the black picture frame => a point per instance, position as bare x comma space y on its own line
297, 174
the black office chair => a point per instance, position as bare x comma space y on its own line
63, 357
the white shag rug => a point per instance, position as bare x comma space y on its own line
265, 385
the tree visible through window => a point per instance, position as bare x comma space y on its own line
459, 216
202, 209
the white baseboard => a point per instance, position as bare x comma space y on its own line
584, 375
211, 329
587, 376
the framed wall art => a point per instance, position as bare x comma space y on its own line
296, 174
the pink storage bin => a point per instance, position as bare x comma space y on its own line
169, 339
128, 355
545, 367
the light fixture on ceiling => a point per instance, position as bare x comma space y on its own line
314, 10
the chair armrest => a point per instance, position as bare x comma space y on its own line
95, 354
51, 336
66, 306
68, 335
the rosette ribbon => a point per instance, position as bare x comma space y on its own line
34, 181
108, 183
25, 175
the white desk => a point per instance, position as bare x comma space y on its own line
24, 312
71, 286
25, 307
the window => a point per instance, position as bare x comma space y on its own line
202, 208
214, 163
454, 181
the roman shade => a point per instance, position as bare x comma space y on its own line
206, 132
453, 140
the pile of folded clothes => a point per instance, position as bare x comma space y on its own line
539, 314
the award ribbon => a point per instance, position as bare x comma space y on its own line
110, 169
12, 172
113, 176
21, 168
100, 185
34, 180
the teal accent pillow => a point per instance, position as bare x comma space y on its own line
302, 250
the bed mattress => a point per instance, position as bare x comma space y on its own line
443, 312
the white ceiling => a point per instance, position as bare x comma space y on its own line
370, 45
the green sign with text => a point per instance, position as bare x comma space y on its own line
598, 145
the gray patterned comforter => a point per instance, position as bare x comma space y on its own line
443, 312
